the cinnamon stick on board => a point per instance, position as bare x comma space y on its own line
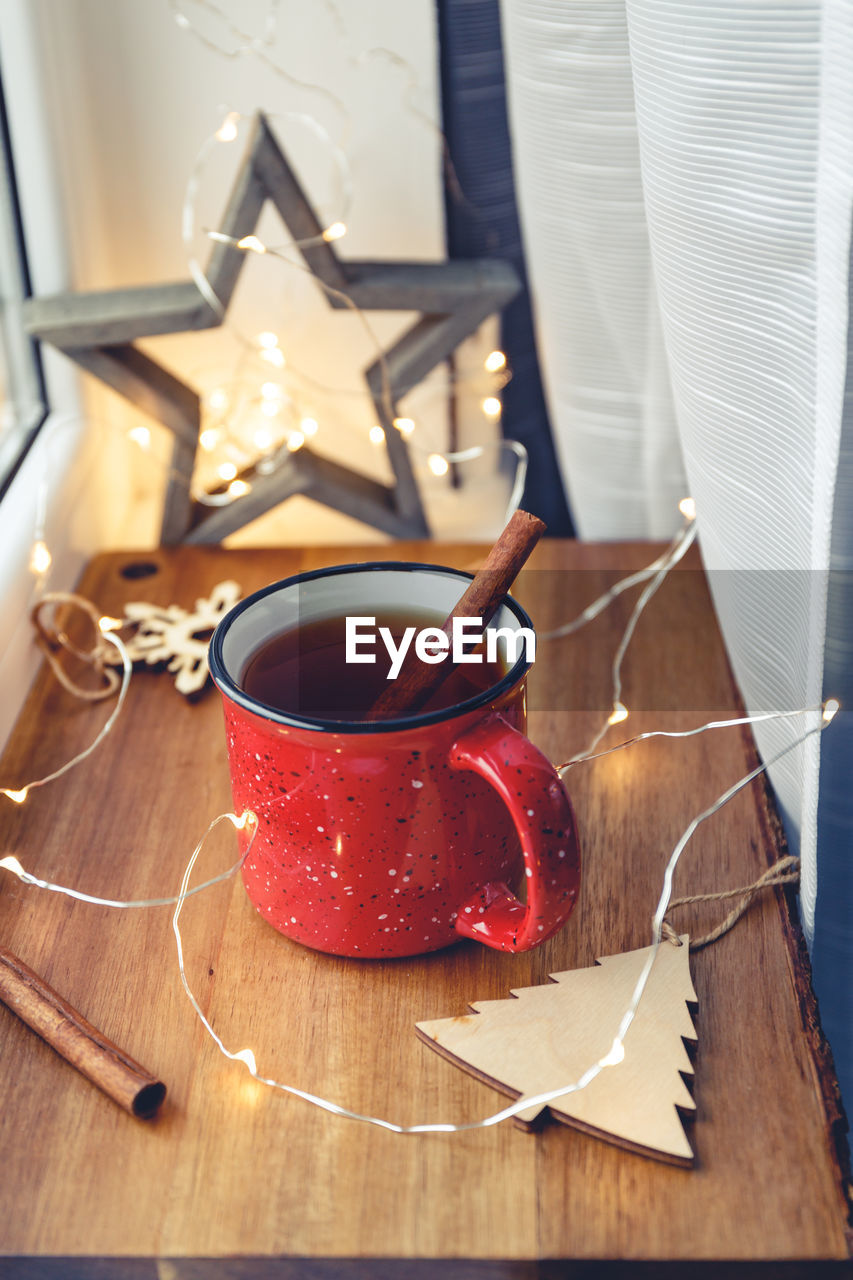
81, 1044
418, 680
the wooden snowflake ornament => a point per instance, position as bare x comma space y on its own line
545, 1037
177, 638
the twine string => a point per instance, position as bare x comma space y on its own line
96, 656
785, 871
50, 636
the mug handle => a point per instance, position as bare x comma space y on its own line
532, 790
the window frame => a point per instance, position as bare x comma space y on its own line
25, 371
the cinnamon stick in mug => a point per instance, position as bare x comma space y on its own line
76, 1040
418, 680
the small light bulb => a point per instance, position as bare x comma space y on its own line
273, 356
110, 624
491, 407
267, 340
208, 439
437, 465
218, 399
310, 426
18, 796
271, 390
238, 489
830, 708
687, 507
376, 435
227, 470
246, 1055
618, 714
495, 361
227, 131
262, 438
614, 1056
140, 436
404, 425
251, 1093
335, 231
40, 558
295, 441
270, 407
182, 21
252, 244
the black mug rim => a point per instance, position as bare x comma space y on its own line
228, 685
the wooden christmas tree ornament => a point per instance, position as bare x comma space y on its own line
545, 1037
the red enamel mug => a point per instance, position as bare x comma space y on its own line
391, 838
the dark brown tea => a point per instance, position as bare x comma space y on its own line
304, 670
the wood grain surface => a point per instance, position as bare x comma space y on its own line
238, 1176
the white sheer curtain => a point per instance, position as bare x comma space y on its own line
684, 178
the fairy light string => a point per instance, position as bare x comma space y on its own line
437, 461
227, 132
681, 544
603, 601
236, 483
614, 1055
251, 244
495, 363
18, 795
828, 709
301, 386
248, 820
256, 46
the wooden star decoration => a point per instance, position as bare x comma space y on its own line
98, 331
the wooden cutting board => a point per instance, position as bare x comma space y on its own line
238, 1176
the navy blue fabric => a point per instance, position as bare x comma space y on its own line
482, 221
832, 950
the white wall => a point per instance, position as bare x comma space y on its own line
57, 471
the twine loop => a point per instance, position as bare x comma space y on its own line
785, 871
51, 637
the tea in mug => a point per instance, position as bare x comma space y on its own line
304, 670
